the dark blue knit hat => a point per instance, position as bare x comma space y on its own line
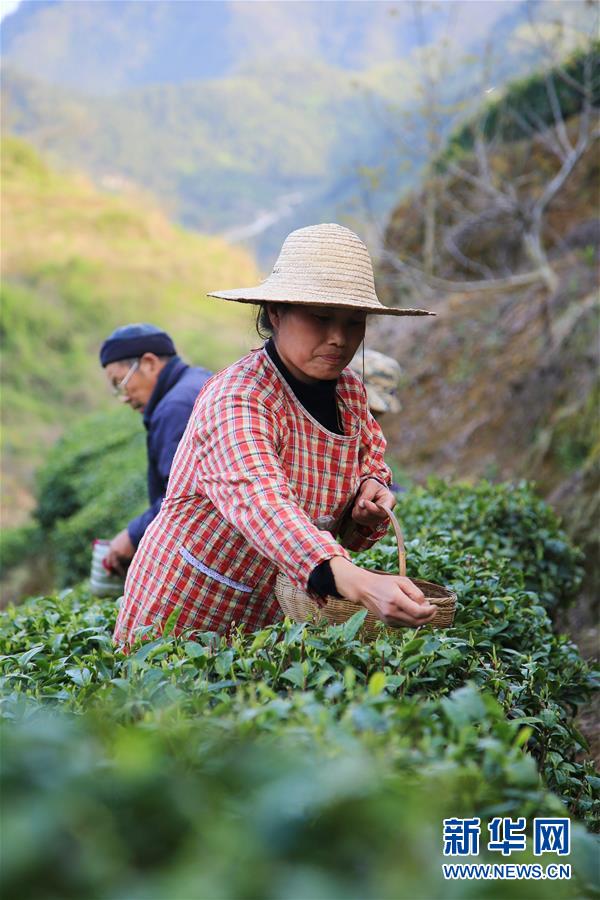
131, 341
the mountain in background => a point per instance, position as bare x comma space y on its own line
251, 119
105, 47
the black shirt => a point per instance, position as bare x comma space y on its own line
318, 398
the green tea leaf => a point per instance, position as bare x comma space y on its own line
26, 657
172, 618
353, 625
377, 683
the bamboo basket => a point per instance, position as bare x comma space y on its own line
298, 606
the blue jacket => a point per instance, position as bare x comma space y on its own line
165, 419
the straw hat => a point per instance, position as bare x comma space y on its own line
322, 265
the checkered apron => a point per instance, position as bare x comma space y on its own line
252, 473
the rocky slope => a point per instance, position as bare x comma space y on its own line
506, 385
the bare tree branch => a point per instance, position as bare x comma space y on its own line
490, 189
561, 130
462, 231
484, 190
586, 113
464, 287
482, 160
555, 184
456, 253
543, 137
568, 79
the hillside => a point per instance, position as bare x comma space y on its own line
251, 119
222, 154
76, 263
505, 384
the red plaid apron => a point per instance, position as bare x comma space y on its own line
252, 473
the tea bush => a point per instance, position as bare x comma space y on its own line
298, 761
500, 523
18, 544
92, 484
189, 807
328, 764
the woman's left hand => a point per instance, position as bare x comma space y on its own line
371, 502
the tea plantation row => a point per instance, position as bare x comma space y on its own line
299, 762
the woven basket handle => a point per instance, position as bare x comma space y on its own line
399, 538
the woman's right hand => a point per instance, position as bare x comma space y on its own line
392, 598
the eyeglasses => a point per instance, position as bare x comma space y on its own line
119, 389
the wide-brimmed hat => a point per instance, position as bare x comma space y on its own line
322, 265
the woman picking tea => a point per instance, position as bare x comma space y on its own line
279, 446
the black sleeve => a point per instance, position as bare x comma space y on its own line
321, 580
